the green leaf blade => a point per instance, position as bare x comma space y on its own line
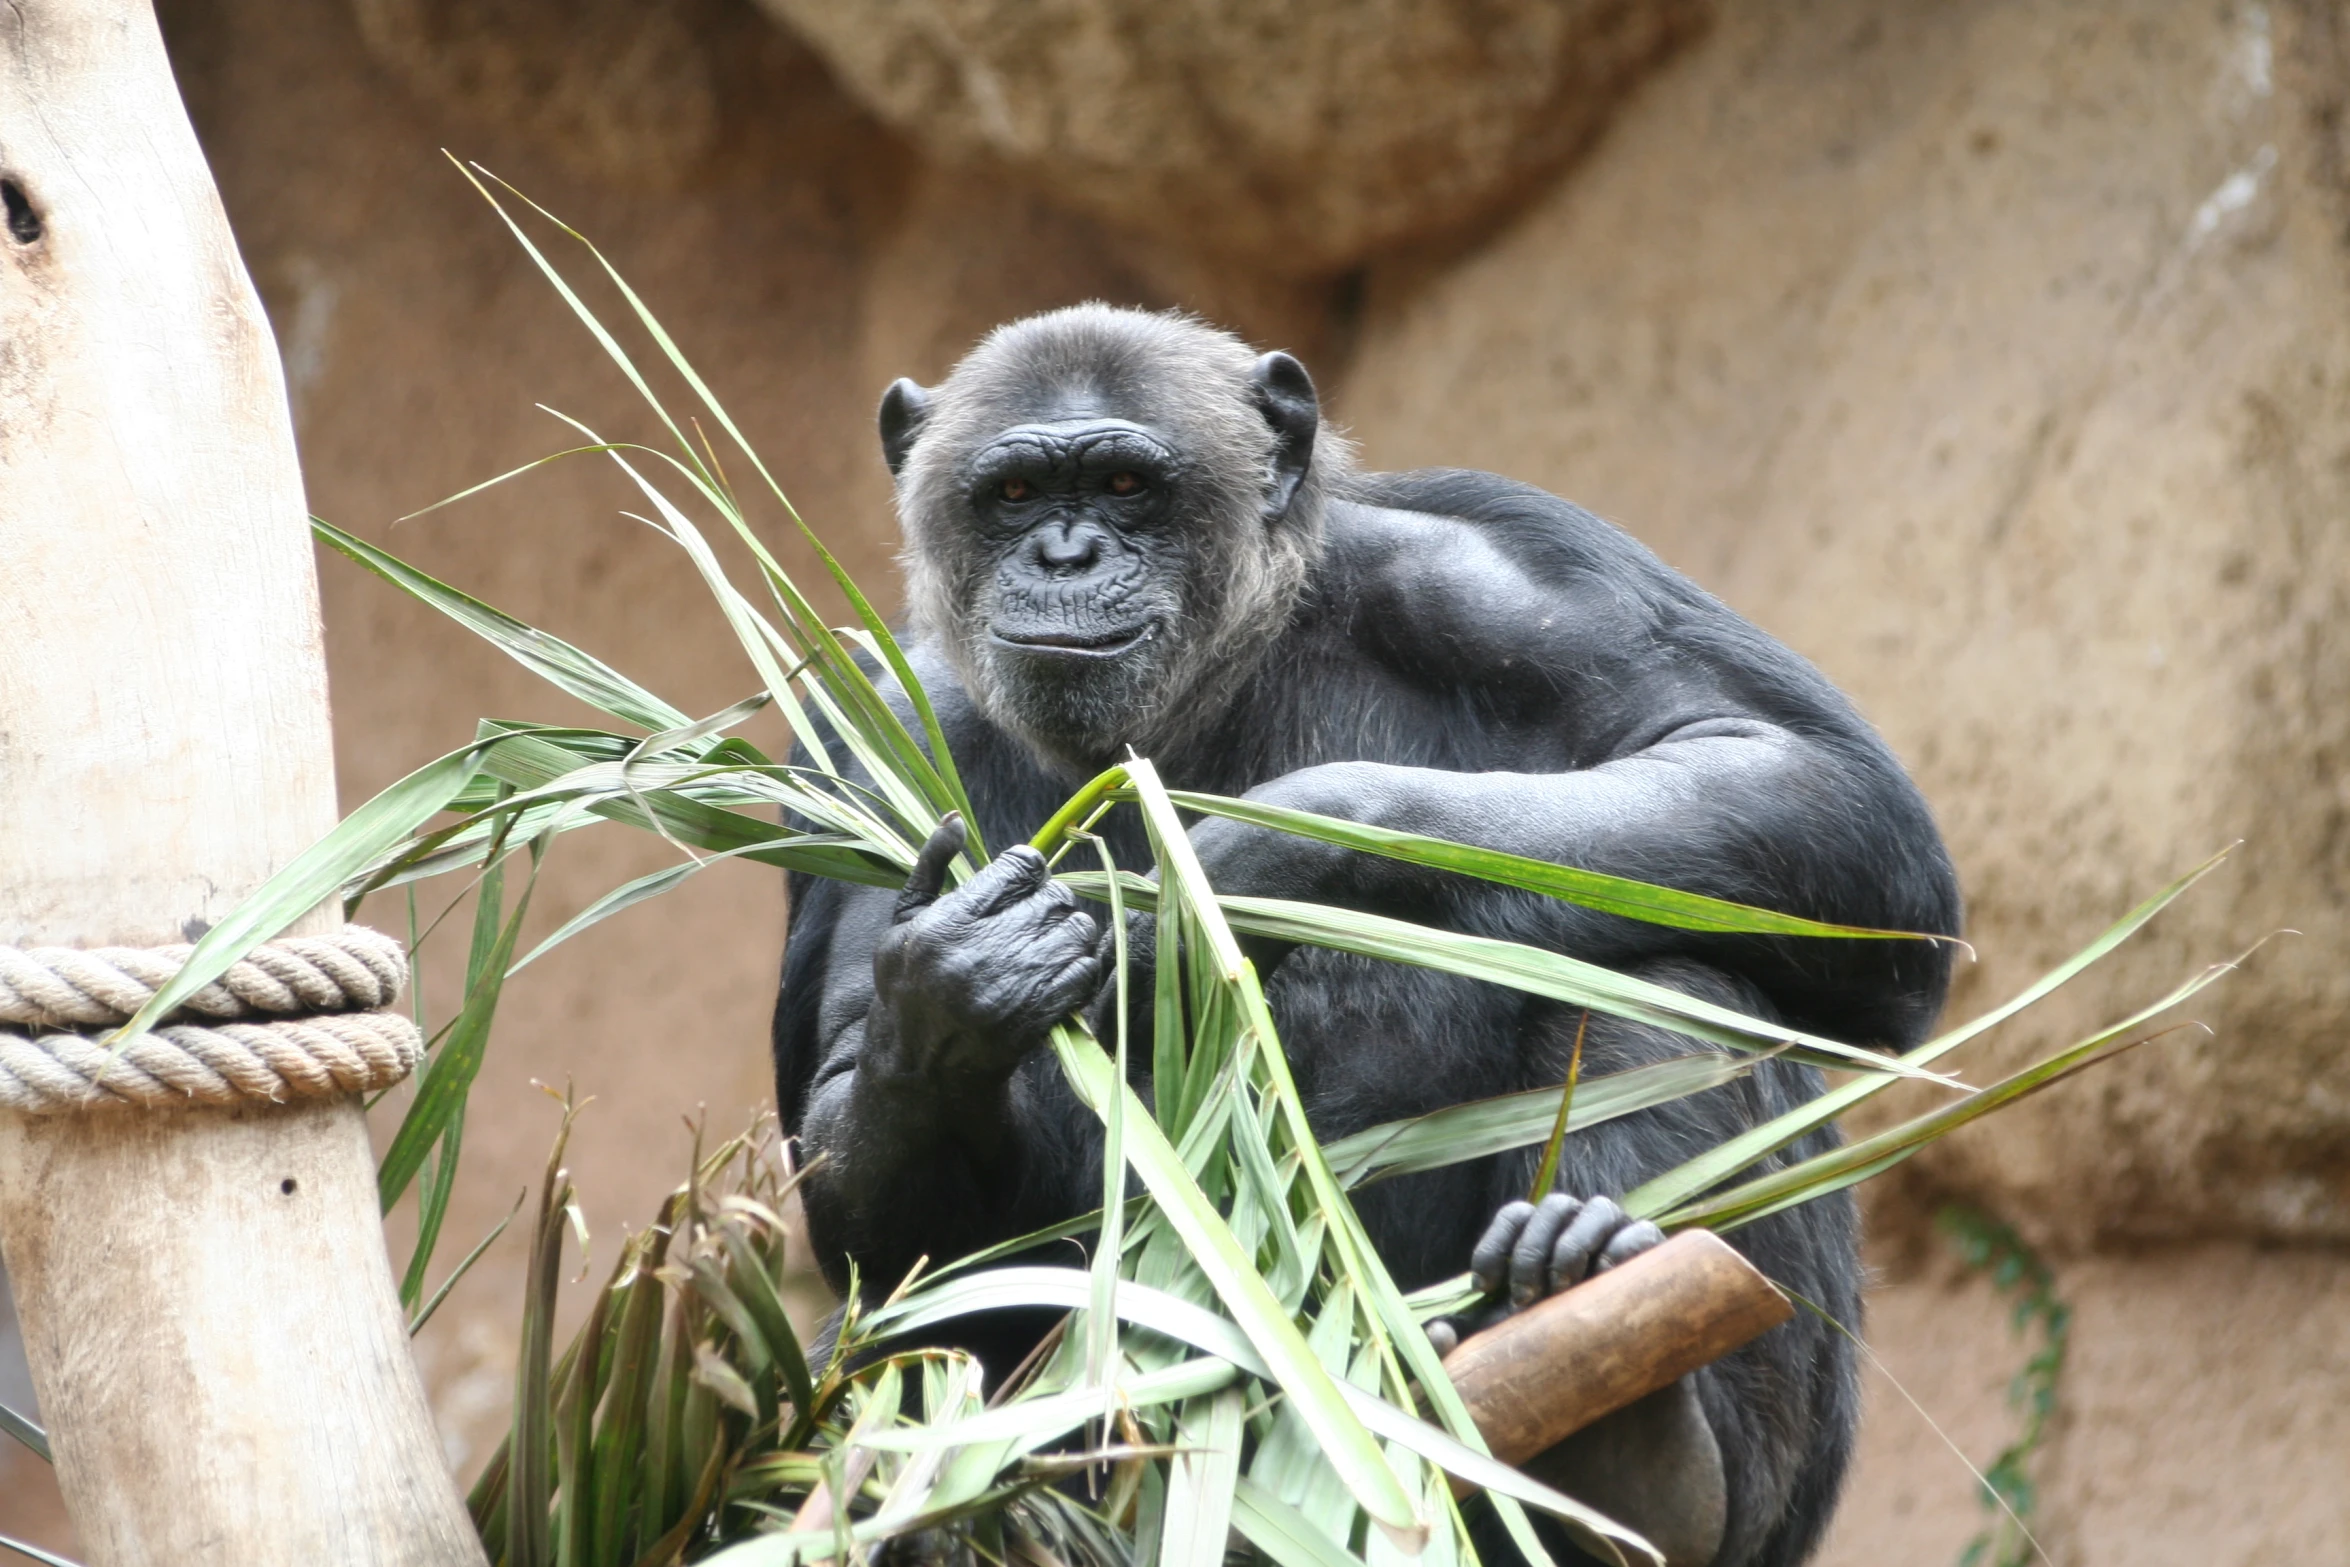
1638, 900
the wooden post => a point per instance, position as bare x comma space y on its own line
1537, 1378
212, 1324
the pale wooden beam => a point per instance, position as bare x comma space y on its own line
210, 1317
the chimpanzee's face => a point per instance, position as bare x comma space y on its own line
1081, 569
1101, 522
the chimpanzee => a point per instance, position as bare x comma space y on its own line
1127, 529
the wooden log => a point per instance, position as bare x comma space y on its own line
1540, 1376
215, 1337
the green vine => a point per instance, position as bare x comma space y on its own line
1992, 1248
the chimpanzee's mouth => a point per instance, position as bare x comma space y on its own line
1077, 644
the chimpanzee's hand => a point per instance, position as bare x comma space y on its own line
967, 984
1530, 1252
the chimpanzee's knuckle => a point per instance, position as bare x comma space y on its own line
981, 890
938, 945
965, 906
1074, 931
1051, 901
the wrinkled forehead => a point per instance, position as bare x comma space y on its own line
1070, 376
1061, 393
1043, 402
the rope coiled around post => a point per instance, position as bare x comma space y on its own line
352, 970
303, 1017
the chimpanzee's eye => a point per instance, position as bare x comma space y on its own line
1124, 484
1015, 489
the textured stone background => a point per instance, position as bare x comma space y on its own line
1299, 138
1998, 359
1997, 356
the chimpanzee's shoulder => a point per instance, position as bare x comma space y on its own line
1518, 520
1495, 565
1475, 555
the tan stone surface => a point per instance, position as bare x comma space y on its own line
1301, 137
2202, 1417
1998, 358
615, 88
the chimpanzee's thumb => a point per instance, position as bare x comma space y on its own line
929, 874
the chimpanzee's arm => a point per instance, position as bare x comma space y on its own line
940, 1126
1732, 808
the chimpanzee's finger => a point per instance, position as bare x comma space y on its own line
1630, 1241
1079, 975
1017, 873
1450, 1331
1057, 903
1530, 1258
1048, 916
1594, 1227
1008, 881
1488, 1262
929, 874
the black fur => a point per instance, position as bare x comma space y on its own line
1455, 654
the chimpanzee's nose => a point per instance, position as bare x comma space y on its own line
1067, 546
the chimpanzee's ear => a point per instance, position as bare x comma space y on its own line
903, 409
1285, 395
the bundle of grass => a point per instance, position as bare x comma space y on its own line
1235, 1356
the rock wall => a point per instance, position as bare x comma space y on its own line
1994, 355
1298, 139
1998, 358
2200, 1417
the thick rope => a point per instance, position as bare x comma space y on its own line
187, 1063
353, 970
345, 1044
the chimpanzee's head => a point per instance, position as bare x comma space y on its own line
1108, 515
